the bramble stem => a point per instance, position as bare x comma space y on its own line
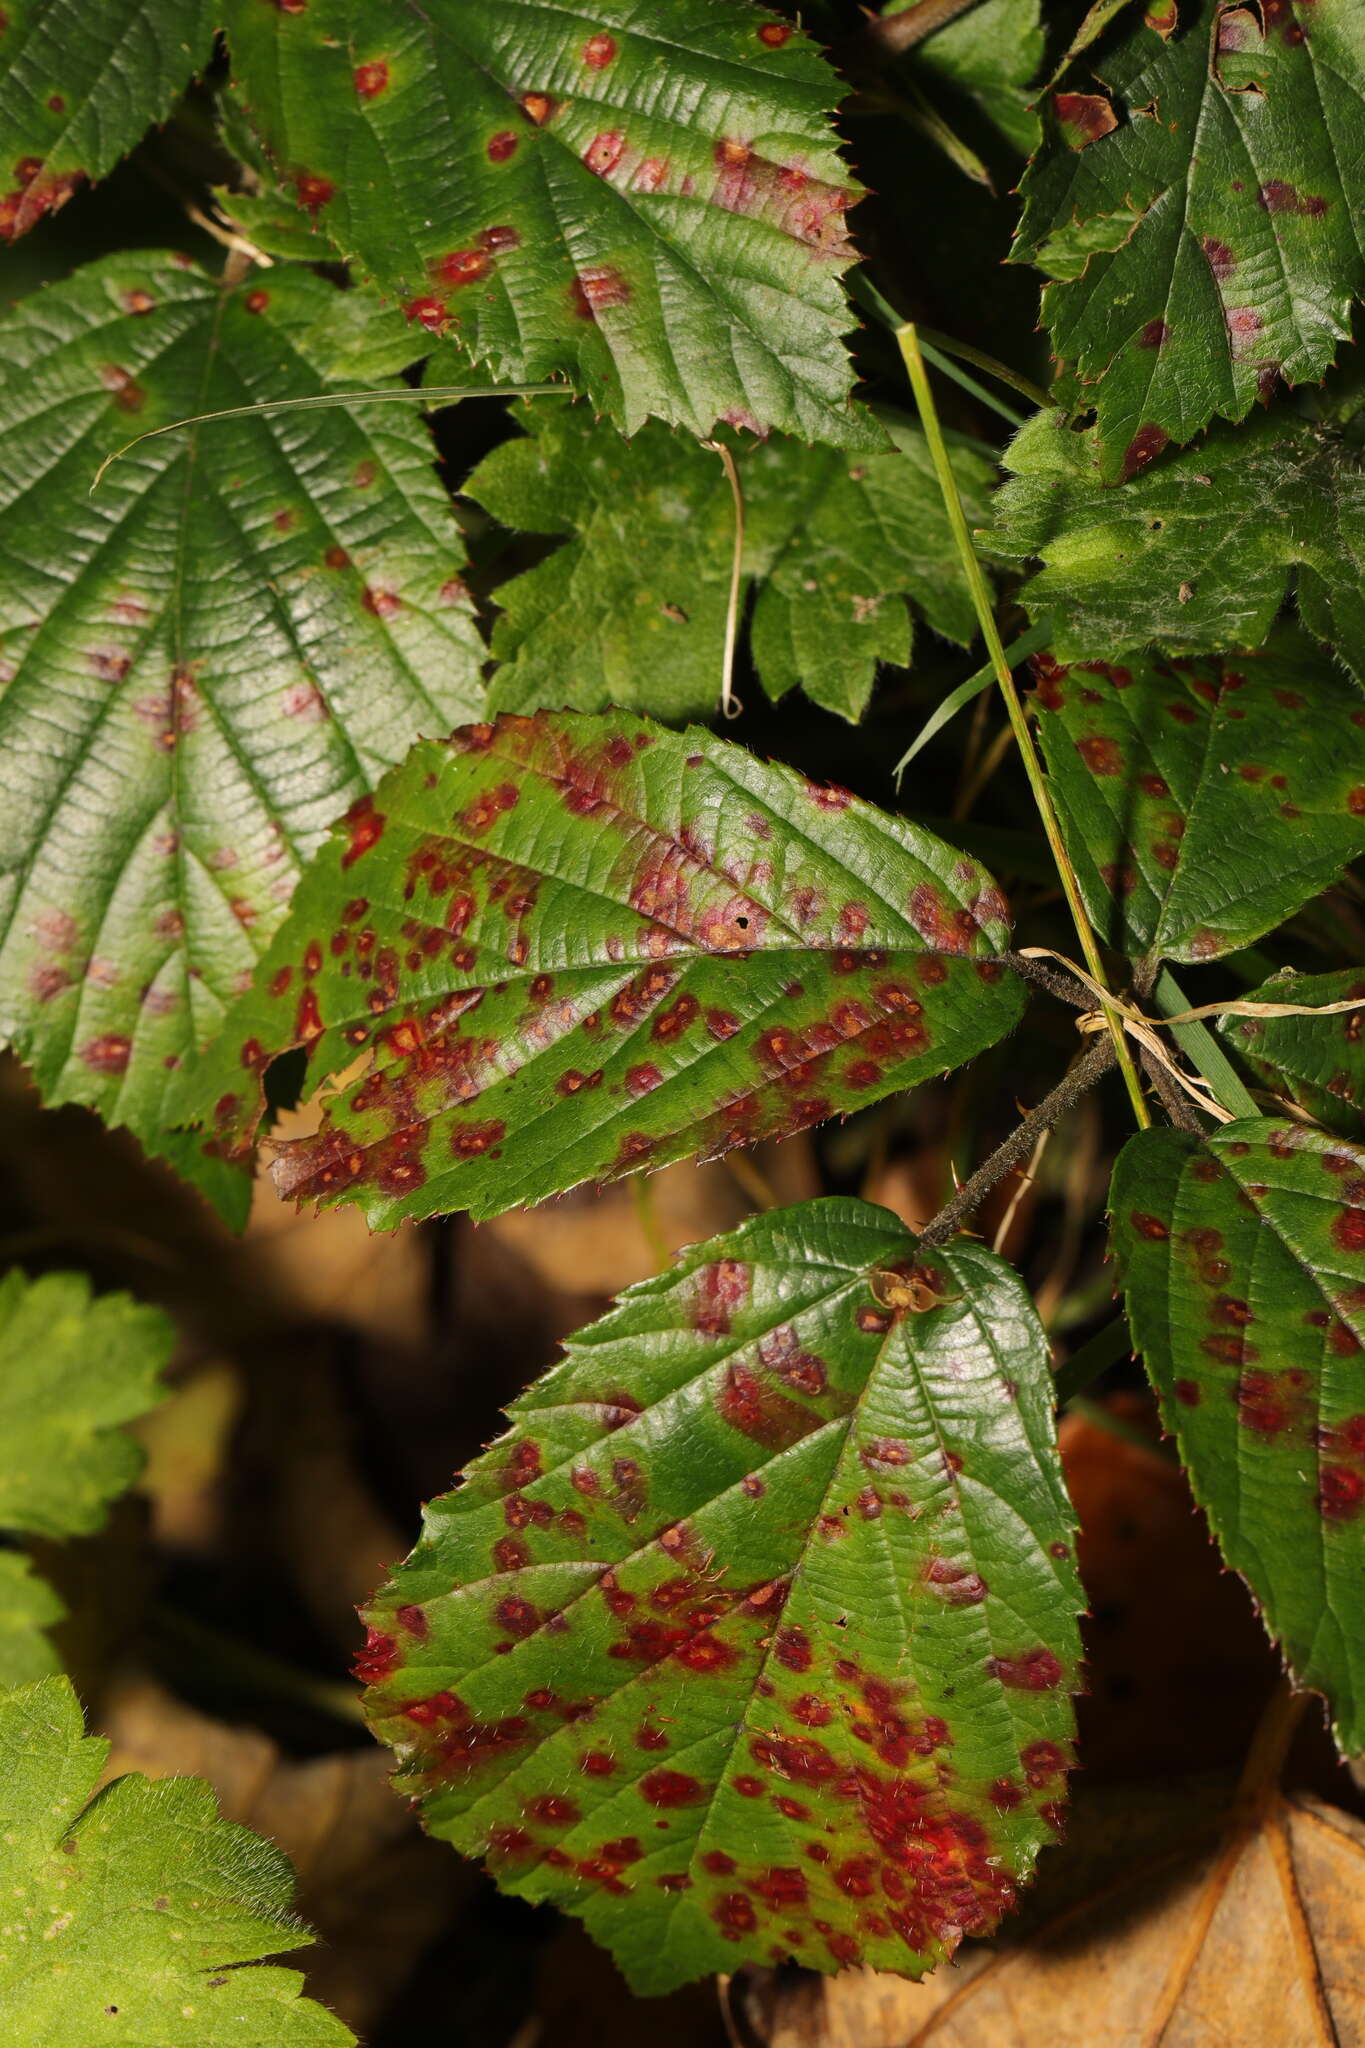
1072, 1086
908, 342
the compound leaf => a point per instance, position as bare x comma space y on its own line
1204, 228
632, 611
125, 1914
72, 1369
80, 84
1243, 1265
572, 947
657, 215
755, 1635
1316, 1062
1203, 802
203, 663
1196, 556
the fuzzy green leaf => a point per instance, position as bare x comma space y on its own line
576, 946
1196, 557
72, 1369
125, 1915
1205, 228
78, 86
651, 206
1316, 1062
1243, 1265
632, 611
755, 1634
1203, 802
28, 1608
205, 661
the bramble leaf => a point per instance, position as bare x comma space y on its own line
1203, 802
655, 212
71, 1370
1317, 1062
1204, 228
80, 84
992, 53
755, 1635
1195, 557
573, 947
126, 1914
28, 1608
1243, 1265
631, 612
203, 663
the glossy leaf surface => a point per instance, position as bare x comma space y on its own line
1317, 1062
1204, 227
72, 1369
1195, 557
1243, 1266
573, 947
124, 1917
1203, 802
204, 662
653, 209
632, 611
78, 86
755, 1634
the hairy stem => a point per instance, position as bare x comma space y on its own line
1073, 1085
1033, 767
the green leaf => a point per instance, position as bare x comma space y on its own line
1203, 802
207, 660
656, 214
632, 611
126, 1914
79, 84
992, 52
755, 1634
28, 1607
1243, 1265
573, 947
1204, 228
1196, 556
72, 1369
1316, 1062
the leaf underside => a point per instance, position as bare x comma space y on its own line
203, 663
1203, 802
1196, 556
573, 947
632, 611
658, 217
772, 1653
1318, 1063
1209, 243
1243, 1264
124, 1916
78, 86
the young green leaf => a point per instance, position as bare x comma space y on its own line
572, 947
632, 611
78, 86
992, 52
126, 1915
1203, 802
28, 1608
205, 661
653, 210
1243, 1265
755, 1635
1204, 226
1316, 1062
72, 1369
1196, 556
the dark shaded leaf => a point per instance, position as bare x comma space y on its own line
573, 947
1243, 1265
755, 1634
1317, 1062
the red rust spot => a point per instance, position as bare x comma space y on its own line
371, 79
599, 51
670, 1788
1154, 335
377, 1660
1143, 449
108, 1054
774, 33
501, 146
313, 192
1031, 1671
734, 1915
1340, 1493
1276, 196
1148, 1226
364, 827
